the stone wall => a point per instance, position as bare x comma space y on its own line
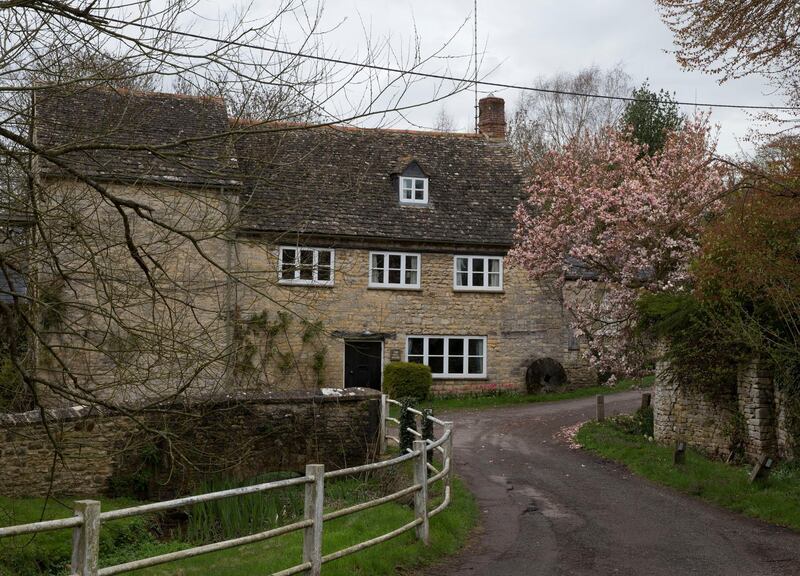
522, 323
112, 324
177, 449
751, 408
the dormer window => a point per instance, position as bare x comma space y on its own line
411, 182
413, 190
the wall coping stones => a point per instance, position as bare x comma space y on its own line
321, 395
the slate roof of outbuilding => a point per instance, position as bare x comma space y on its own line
136, 136
339, 181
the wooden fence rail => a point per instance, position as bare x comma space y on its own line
88, 518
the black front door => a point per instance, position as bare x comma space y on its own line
362, 364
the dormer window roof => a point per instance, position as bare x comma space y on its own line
413, 185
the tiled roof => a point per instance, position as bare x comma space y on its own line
185, 139
338, 181
331, 181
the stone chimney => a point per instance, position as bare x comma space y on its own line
492, 117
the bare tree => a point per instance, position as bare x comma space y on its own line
444, 122
736, 39
545, 121
133, 272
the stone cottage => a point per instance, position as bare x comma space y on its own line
290, 255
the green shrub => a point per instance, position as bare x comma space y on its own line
639, 424
407, 380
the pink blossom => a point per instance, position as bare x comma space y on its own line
633, 219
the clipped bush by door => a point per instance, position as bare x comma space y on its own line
407, 380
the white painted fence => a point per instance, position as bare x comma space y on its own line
88, 517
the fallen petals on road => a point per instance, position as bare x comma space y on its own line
567, 435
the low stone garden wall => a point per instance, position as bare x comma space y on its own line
752, 412
83, 451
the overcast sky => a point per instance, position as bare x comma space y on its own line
527, 39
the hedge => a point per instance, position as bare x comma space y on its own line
407, 380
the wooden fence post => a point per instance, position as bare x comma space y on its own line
312, 535
382, 425
427, 430
601, 408
421, 496
448, 457
86, 538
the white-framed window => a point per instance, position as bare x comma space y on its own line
413, 190
483, 273
449, 356
394, 270
302, 265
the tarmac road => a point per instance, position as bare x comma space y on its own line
550, 510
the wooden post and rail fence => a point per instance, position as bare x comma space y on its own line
88, 518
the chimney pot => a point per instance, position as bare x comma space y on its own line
492, 117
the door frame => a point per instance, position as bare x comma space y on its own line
344, 356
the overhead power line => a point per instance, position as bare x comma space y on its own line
420, 74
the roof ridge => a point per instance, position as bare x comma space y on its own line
132, 92
244, 122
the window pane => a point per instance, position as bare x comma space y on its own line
416, 346
394, 276
417, 359
477, 278
377, 260
377, 276
462, 264
436, 364
306, 264
455, 365
407, 194
324, 257
462, 279
287, 264
394, 261
411, 277
455, 347
476, 346
419, 184
436, 347
494, 280
494, 265
476, 365
411, 262
477, 264
324, 273
420, 195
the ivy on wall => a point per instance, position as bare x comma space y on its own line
272, 348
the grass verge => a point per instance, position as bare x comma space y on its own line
506, 399
449, 531
48, 553
125, 540
776, 501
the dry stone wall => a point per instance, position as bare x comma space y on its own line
235, 436
752, 411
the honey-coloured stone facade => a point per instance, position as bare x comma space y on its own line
523, 322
